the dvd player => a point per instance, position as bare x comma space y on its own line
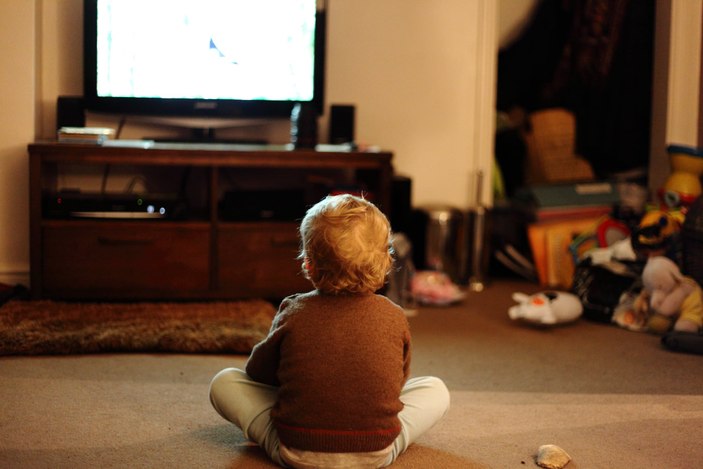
263, 204
74, 204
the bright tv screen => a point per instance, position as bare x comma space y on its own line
224, 58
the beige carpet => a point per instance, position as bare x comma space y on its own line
611, 398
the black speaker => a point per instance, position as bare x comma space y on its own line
70, 112
401, 209
303, 126
341, 128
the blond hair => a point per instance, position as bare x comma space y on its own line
345, 243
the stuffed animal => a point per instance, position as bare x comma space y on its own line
669, 298
546, 308
657, 234
631, 312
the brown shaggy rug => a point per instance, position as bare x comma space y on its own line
51, 327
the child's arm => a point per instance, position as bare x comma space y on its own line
262, 365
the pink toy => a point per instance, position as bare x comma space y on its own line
434, 288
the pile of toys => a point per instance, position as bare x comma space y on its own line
649, 281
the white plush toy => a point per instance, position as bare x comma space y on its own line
547, 308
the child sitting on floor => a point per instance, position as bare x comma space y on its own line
329, 386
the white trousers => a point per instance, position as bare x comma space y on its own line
247, 404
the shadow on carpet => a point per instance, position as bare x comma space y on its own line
53, 328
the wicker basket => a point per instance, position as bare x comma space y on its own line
692, 240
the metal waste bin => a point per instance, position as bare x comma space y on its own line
445, 245
457, 243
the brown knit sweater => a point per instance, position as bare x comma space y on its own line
340, 363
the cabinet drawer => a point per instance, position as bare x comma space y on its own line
259, 259
125, 260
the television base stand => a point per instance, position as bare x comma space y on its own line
215, 141
207, 135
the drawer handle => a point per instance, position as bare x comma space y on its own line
124, 241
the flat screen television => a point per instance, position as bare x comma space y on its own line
232, 59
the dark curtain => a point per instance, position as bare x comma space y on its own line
595, 58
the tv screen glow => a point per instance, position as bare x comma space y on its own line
239, 58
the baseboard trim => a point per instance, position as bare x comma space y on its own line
8, 277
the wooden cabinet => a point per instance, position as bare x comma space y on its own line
258, 258
207, 248
93, 260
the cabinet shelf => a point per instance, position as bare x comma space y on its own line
210, 251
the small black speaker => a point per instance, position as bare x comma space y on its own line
401, 208
70, 112
303, 126
341, 128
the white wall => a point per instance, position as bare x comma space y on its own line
422, 75
60, 56
17, 111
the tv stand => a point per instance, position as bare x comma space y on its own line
207, 136
214, 250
